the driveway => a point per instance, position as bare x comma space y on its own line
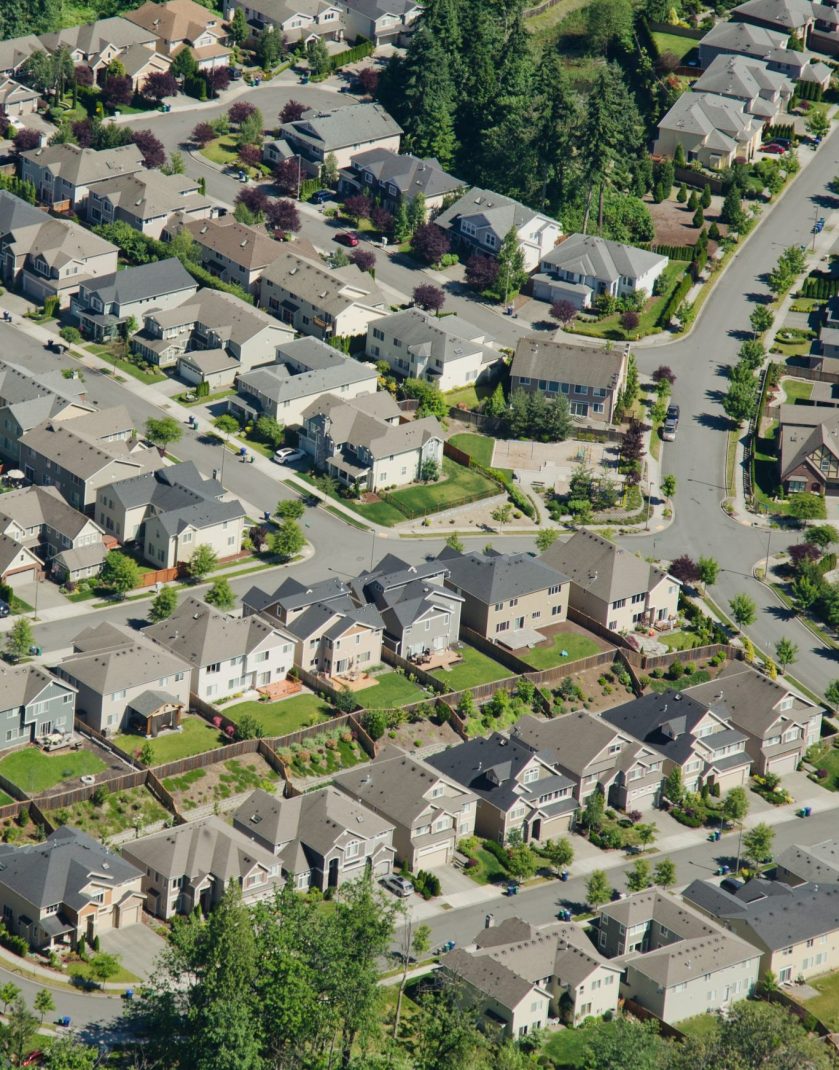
138, 947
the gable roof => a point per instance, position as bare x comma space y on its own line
92, 37
489, 977
150, 194
587, 254
605, 570
744, 37
747, 698
351, 424
34, 506
596, 366
409, 174
743, 77
176, 20
250, 247
22, 684
447, 340
169, 487
145, 282
574, 740
495, 577
329, 290
109, 656
818, 863
344, 126
802, 433
202, 635
80, 166
787, 15
322, 371
663, 721
486, 209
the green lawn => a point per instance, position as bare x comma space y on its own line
82, 969
567, 1048
609, 326
195, 737
826, 1005
391, 689
221, 150
471, 396
703, 1026
547, 655
479, 447
287, 715
460, 486
680, 641
34, 771
796, 390
376, 512
476, 668
675, 43
765, 471
830, 762
701, 676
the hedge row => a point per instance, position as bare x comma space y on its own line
676, 298
819, 287
699, 262
808, 91
352, 55
675, 252
505, 480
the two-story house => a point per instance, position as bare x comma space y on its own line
228, 654
172, 536
190, 867
507, 597
97, 44
448, 352
590, 379
146, 201
517, 790
612, 586
34, 704
232, 251
393, 179
340, 132
104, 306
179, 24
68, 887
28, 397
809, 451
322, 838
480, 220
294, 21
764, 92
65, 173
717, 131
384, 22
428, 810
817, 863
584, 266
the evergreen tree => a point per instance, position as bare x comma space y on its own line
558, 116
428, 99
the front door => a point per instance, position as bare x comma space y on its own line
518, 624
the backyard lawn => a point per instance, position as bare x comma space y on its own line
34, 771
567, 1048
549, 654
195, 737
680, 640
391, 689
796, 390
703, 1026
826, 1005
673, 42
461, 486
830, 762
479, 447
287, 715
476, 668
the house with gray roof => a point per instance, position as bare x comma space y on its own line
228, 654
614, 587
34, 705
716, 131
322, 838
765, 93
147, 200
296, 20
778, 724
97, 44
480, 220
596, 756
590, 378
809, 453
67, 173
293, 598
786, 16
496, 993
125, 681
518, 790
17, 99
584, 266
507, 597
739, 38
16, 50
28, 396
104, 305
448, 352
305, 370
675, 962
688, 736
191, 866
430, 812
171, 538
381, 21
794, 929
817, 863
351, 441
394, 179
341, 132
67, 887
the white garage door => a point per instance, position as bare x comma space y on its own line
20, 579
786, 764
434, 856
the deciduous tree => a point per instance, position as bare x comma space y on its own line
120, 573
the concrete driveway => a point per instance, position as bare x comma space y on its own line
138, 947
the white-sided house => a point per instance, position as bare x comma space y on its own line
480, 220
228, 654
341, 132
583, 266
68, 173
384, 22
172, 537
764, 92
716, 131
296, 21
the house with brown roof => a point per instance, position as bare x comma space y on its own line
589, 378
179, 24
97, 44
809, 449
232, 251
67, 173
146, 201
17, 99
295, 20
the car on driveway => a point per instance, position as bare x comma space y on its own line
5, 608
287, 455
400, 886
773, 148
348, 237
320, 196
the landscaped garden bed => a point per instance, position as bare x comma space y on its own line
134, 808
326, 753
769, 788
214, 783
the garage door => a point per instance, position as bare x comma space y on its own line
20, 579
786, 764
434, 856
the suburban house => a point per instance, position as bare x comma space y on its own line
28, 397
292, 599
191, 866
305, 370
17, 99
146, 201
340, 132
321, 838
507, 598
71, 545
590, 378
765, 93
179, 24
210, 321
81, 453
18, 566
612, 586
65, 173
717, 131
105, 306
97, 44
688, 736
125, 682
595, 756
171, 537
779, 725
583, 266
68, 887
429, 811
675, 963
448, 352
809, 449
295, 21
480, 220
384, 22
36, 705
362, 443
800, 67
818, 864
790, 16
563, 974
393, 179
740, 38
795, 930
517, 790
420, 614
318, 300
232, 251
48, 257
139, 62
228, 654
16, 50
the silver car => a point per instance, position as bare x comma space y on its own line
400, 886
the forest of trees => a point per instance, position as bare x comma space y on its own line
21, 17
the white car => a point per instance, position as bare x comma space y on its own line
285, 455
400, 886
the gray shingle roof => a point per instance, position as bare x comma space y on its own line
202, 635
485, 208
169, 487
745, 38
81, 167
331, 290
488, 976
741, 76
149, 193
787, 15
447, 339
537, 358
80, 445
109, 657
146, 282
573, 740
494, 577
602, 568
36, 506
408, 173
818, 863
586, 254
338, 128
306, 367
748, 699
22, 684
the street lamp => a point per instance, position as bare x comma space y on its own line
649, 505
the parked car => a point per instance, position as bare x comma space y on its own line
774, 149
731, 884
5, 608
400, 886
235, 73
56, 347
673, 412
348, 237
286, 455
671, 424
320, 196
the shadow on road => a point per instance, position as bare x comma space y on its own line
780, 612
712, 421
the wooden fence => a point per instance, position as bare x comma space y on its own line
645, 1015
698, 653
85, 792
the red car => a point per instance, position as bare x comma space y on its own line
776, 150
348, 238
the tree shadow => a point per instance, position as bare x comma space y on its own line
713, 422
740, 335
715, 396
781, 613
759, 298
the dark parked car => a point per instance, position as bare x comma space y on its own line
321, 195
348, 238
731, 884
5, 608
673, 412
671, 424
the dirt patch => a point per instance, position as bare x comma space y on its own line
12, 832
214, 783
673, 222
424, 736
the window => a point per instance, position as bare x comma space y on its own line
556, 611
179, 677
530, 775
352, 849
117, 695
215, 667
578, 408
636, 598
598, 407
621, 602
